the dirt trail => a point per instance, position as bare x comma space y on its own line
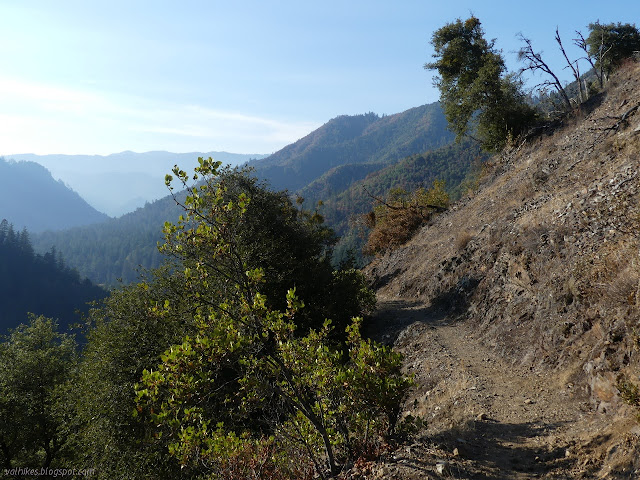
486, 418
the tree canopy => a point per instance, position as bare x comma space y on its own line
477, 97
36, 364
230, 349
609, 44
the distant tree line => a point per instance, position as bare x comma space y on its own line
39, 284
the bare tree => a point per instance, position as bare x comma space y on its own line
575, 68
534, 62
581, 43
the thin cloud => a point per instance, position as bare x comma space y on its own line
44, 118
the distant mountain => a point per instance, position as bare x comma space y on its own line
364, 142
329, 164
119, 183
31, 198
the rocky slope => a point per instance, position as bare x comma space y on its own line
519, 309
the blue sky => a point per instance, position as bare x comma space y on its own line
99, 77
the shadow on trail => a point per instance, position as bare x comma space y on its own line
393, 316
498, 450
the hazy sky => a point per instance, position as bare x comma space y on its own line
98, 77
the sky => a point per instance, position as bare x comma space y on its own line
100, 77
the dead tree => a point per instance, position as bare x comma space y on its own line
575, 68
534, 62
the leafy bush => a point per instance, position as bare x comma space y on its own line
231, 375
250, 373
207, 393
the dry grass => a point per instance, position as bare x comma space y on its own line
463, 240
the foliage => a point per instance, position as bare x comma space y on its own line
609, 44
36, 362
127, 334
246, 362
262, 230
395, 219
474, 92
234, 241
250, 373
629, 391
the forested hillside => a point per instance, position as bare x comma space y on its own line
31, 198
328, 165
114, 250
456, 165
38, 284
354, 141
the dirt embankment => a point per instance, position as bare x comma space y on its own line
519, 309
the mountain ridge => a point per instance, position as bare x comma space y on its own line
355, 139
31, 198
119, 183
142, 228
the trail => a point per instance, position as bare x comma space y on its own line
486, 418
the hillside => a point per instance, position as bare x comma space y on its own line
354, 141
519, 310
119, 183
38, 284
115, 249
31, 198
390, 149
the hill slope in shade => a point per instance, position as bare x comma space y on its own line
519, 308
119, 183
31, 198
38, 284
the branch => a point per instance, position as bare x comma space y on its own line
576, 70
393, 207
581, 43
534, 62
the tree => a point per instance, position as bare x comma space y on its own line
609, 44
235, 242
290, 245
476, 95
126, 335
246, 382
535, 63
395, 219
251, 374
36, 362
